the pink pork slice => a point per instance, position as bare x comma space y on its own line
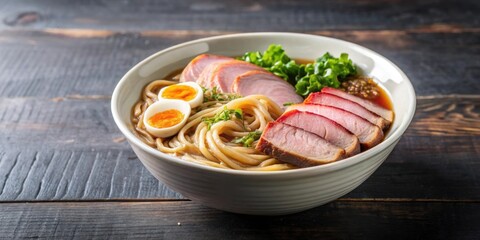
296, 146
193, 70
380, 111
207, 74
353, 107
266, 83
369, 135
222, 74
323, 127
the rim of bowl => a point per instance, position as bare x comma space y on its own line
395, 135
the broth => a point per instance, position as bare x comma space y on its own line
174, 75
383, 100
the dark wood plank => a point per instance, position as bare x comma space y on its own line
187, 220
454, 115
76, 174
58, 144
57, 63
264, 15
58, 123
69, 148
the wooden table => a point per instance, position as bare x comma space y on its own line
67, 172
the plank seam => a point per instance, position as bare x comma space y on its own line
172, 33
393, 200
93, 200
426, 200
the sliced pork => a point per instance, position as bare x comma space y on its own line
297, 146
368, 134
234, 76
265, 83
193, 70
380, 111
353, 107
323, 127
208, 73
222, 74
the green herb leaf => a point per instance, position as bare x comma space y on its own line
248, 139
224, 115
306, 78
238, 113
213, 95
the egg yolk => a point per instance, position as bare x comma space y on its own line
181, 92
166, 118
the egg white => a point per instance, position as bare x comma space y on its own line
196, 101
164, 105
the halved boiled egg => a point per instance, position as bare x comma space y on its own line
165, 117
188, 91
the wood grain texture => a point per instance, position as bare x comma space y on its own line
67, 172
187, 220
69, 148
458, 116
88, 174
60, 63
284, 15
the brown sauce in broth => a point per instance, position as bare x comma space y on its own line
174, 75
383, 100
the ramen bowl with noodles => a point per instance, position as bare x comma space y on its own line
263, 192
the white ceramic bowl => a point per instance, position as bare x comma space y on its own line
264, 193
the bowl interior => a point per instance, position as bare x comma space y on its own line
301, 46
